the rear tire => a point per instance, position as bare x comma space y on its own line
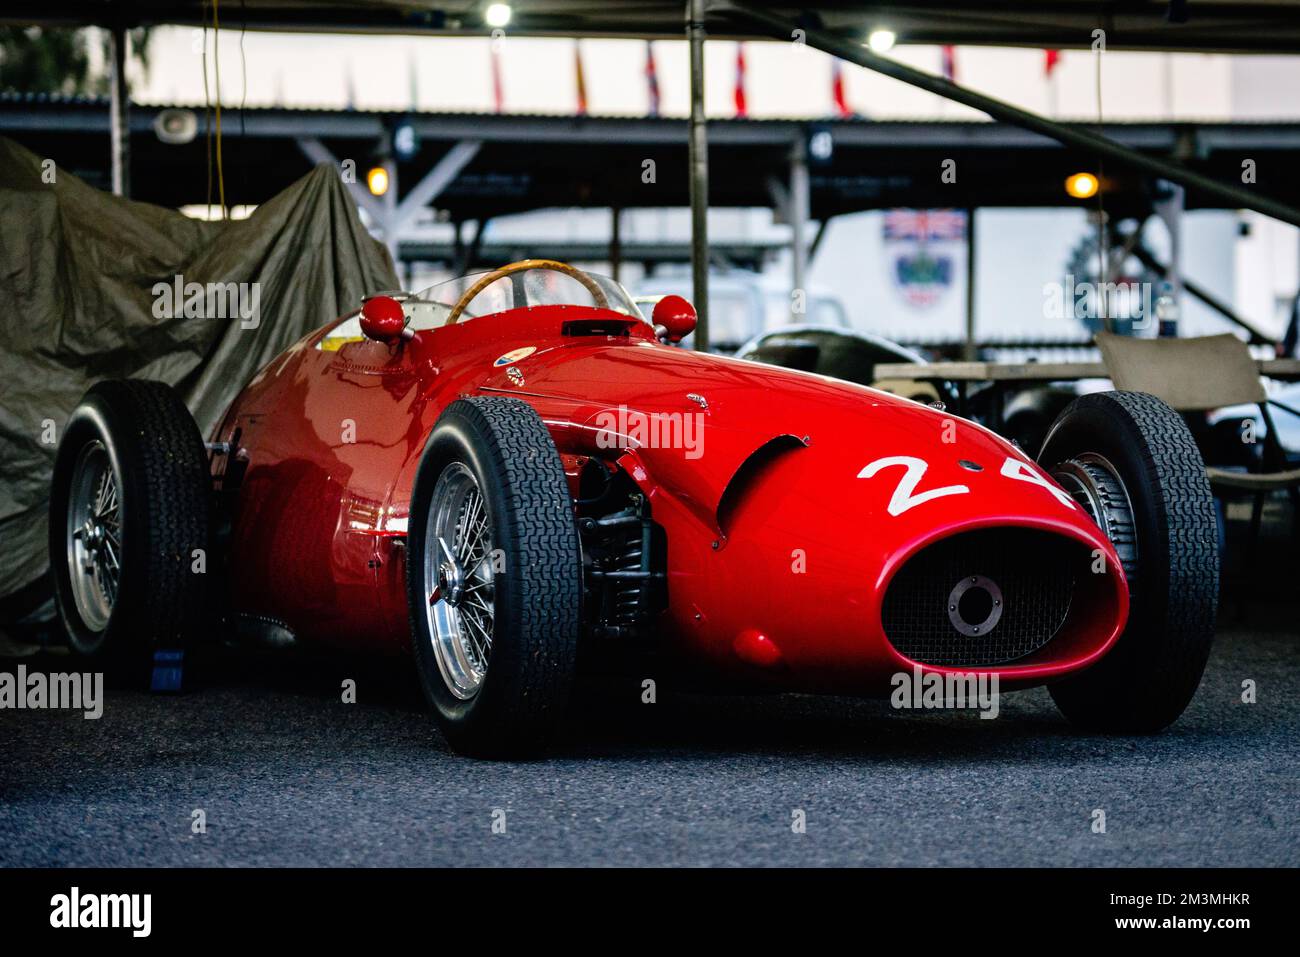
129, 505
503, 696
1161, 519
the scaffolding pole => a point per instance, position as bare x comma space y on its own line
699, 163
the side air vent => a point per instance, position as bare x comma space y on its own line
750, 470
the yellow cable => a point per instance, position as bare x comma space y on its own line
216, 57
207, 113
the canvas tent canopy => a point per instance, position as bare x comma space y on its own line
87, 281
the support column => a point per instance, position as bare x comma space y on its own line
391, 224
436, 181
800, 210
699, 163
970, 286
119, 113
615, 243
317, 153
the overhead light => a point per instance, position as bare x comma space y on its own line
377, 181
881, 41
497, 15
405, 143
821, 145
1081, 185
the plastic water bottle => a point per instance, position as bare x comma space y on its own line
1166, 309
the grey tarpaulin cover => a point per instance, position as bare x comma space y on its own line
77, 272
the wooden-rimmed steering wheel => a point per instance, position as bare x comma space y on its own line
598, 294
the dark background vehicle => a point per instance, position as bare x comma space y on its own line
742, 304
1228, 425
841, 354
1023, 416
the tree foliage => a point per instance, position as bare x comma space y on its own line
59, 61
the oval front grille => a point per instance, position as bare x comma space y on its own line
981, 598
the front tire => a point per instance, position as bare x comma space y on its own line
1131, 462
129, 505
494, 578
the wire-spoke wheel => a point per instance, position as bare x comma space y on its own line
129, 509
94, 536
494, 577
1097, 486
458, 578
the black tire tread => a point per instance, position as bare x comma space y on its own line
543, 564
163, 602
175, 472
546, 563
1153, 671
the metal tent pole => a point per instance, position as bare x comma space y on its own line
119, 113
699, 163
970, 285
615, 243
800, 201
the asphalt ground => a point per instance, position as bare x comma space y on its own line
285, 773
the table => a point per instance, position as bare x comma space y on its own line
1004, 374
1285, 369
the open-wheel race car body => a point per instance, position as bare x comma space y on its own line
510, 476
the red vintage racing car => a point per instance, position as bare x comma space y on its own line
513, 475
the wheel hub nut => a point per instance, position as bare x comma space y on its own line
450, 582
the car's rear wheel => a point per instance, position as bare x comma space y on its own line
129, 513
1132, 464
493, 577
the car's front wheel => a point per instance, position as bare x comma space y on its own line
1132, 464
493, 577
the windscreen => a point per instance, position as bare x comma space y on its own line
532, 287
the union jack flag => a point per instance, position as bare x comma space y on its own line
925, 225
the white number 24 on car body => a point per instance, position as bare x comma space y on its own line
905, 495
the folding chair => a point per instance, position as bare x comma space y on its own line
1197, 375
